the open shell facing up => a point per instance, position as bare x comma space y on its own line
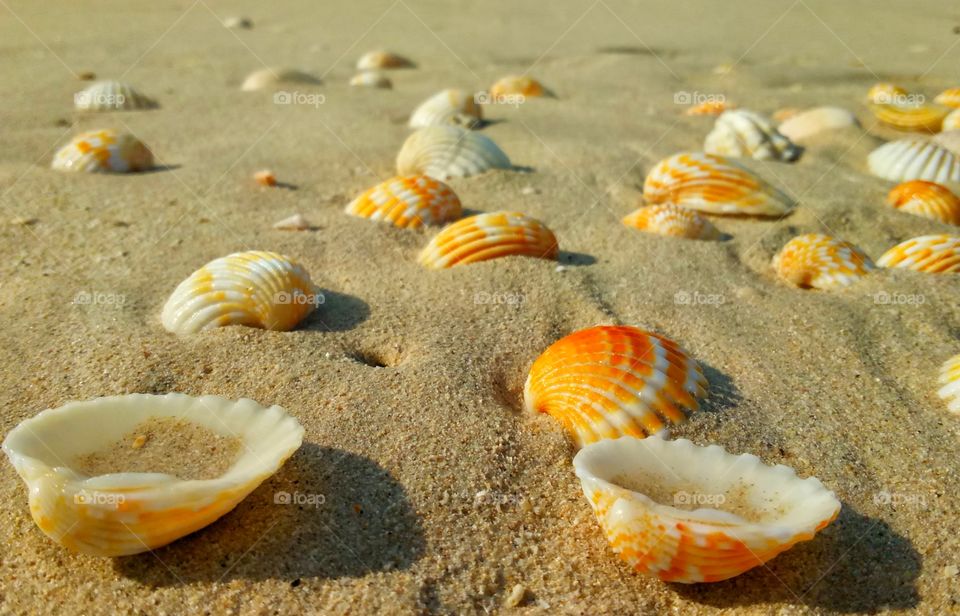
806, 124
109, 96
489, 236
743, 133
103, 151
256, 288
409, 202
129, 512
689, 514
914, 159
950, 379
448, 108
926, 199
672, 220
819, 261
613, 380
934, 254
446, 152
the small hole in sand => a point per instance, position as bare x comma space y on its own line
376, 358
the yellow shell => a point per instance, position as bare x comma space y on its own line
371, 79
409, 202
672, 220
489, 236
271, 78
258, 289
744, 133
804, 125
821, 262
886, 93
691, 514
914, 159
111, 95
448, 108
103, 151
447, 152
926, 199
934, 254
127, 513
949, 98
373, 60
920, 118
952, 121
517, 85
950, 379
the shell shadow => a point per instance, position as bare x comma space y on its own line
339, 312
327, 514
723, 393
565, 257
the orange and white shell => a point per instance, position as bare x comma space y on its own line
447, 152
371, 79
672, 220
256, 288
712, 184
949, 98
127, 513
918, 117
612, 380
914, 159
409, 202
689, 514
373, 60
950, 380
111, 96
448, 108
744, 133
952, 121
819, 261
517, 85
886, 93
806, 124
103, 151
489, 236
709, 108
271, 78
926, 199
934, 254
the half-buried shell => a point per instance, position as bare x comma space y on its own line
448, 108
934, 254
950, 379
926, 199
489, 236
819, 261
371, 79
408, 201
806, 124
914, 159
103, 151
949, 97
447, 152
672, 220
109, 96
271, 78
374, 60
744, 133
517, 85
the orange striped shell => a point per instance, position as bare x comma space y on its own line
489, 236
950, 379
926, 199
919, 118
709, 108
103, 151
712, 184
613, 380
408, 201
934, 254
522, 85
672, 220
819, 261
949, 97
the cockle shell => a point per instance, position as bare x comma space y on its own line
447, 152
610, 381
952, 121
821, 262
103, 151
409, 202
919, 117
672, 220
373, 60
743, 133
949, 98
489, 236
688, 514
127, 513
885, 93
709, 108
950, 379
926, 199
448, 108
949, 139
914, 159
258, 289
265, 177
712, 184
934, 254
518, 85
371, 79
270, 78
111, 95
806, 124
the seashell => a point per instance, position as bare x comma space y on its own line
103, 151
951, 122
270, 78
917, 117
712, 184
447, 152
265, 177
610, 381
744, 133
949, 139
914, 159
785, 113
256, 288
950, 379
949, 98
517, 85
126, 513
934, 254
672, 220
294, 223
489, 236
819, 261
926, 199
886, 93
710, 107
110, 96
237, 23
806, 124
408, 202
371, 79
373, 60
447, 108
688, 514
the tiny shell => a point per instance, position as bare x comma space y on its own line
103, 151
265, 178
672, 220
691, 514
270, 78
934, 254
949, 98
821, 262
448, 108
952, 121
518, 85
742, 132
127, 513
294, 223
611, 381
709, 108
447, 152
111, 96
806, 124
489, 236
258, 289
408, 202
371, 79
237, 23
926, 199
712, 184
950, 379
919, 118
914, 159
382, 60
885, 93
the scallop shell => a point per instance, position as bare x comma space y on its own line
518, 85
111, 95
373, 60
950, 379
489, 236
934, 254
821, 262
709, 108
712, 184
949, 98
914, 159
920, 118
690, 514
951, 122
270, 78
258, 289
127, 513
371, 79
408, 202
610, 381
926, 199
885, 93
448, 108
949, 139
806, 124
672, 220
447, 152
103, 151
741, 132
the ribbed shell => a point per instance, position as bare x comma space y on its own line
489, 236
610, 381
743, 133
672, 220
709, 108
950, 380
914, 159
949, 98
952, 121
103, 151
885, 93
919, 118
926, 199
269, 78
371, 79
513, 85
110, 96
448, 108
934, 254
806, 124
712, 184
446, 152
408, 201
258, 289
821, 262
373, 60
693, 536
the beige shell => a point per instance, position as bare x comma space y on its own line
672, 221
806, 124
111, 96
448, 108
373, 60
952, 121
914, 159
445, 152
371, 79
744, 133
949, 139
270, 78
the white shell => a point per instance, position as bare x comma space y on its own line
447, 108
952, 121
445, 152
949, 139
914, 159
293, 223
371, 79
806, 124
743, 133
273, 77
111, 95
